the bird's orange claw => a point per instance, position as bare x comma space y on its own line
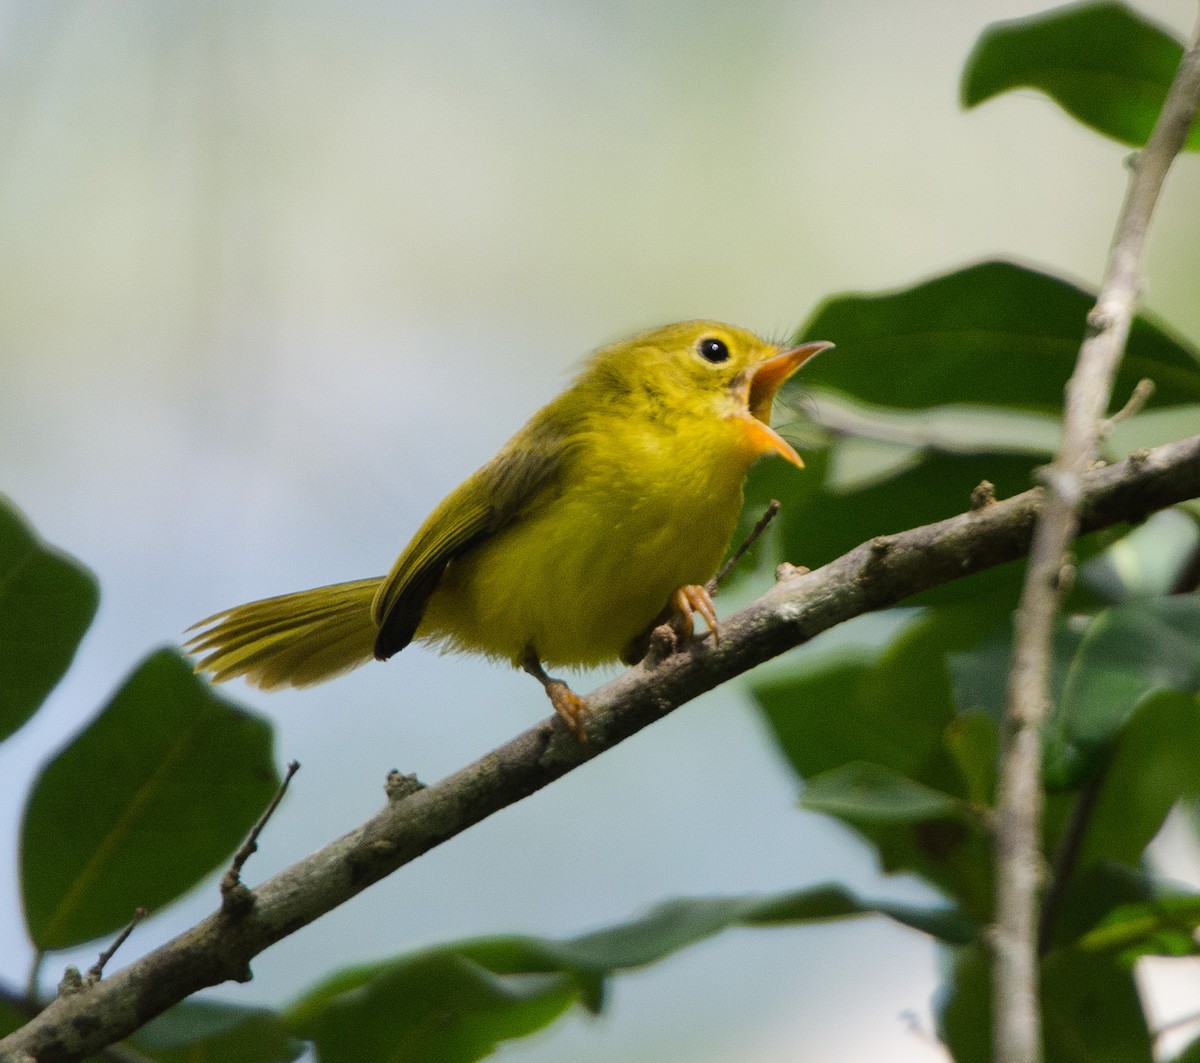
570, 706
685, 603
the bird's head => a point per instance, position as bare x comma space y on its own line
705, 370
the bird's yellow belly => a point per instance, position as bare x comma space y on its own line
579, 578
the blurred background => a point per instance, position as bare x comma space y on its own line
274, 277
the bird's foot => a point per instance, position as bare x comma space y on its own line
570, 706
673, 627
685, 604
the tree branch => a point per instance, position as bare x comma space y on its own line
1015, 1015
800, 605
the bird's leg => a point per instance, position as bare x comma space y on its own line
569, 705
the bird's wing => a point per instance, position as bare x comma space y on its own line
482, 505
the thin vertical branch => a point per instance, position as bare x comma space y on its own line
1016, 1018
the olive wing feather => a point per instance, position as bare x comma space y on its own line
485, 503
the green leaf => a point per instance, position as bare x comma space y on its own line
965, 1006
1163, 926
973, 742
675, 924
828, 521
865, 793
152, 796
1156, 762
459, 1002
890, 707
1153, 428
439, 1007
898, 438
979, 675
1094, 890
1127, 653
920, 393
10, 1018
892, 710
994, 334
1091, 1011
203, 1031
945, 923
47, 601
1148, 562
1103, 63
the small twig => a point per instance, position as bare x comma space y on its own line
772, 511
399, 786
1067, 856
1137, 399
231, 880
983, 495
1016, 1020
96, 971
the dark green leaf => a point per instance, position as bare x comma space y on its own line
457, 1003
1102, 63
1093, 892
863, 793
152, 796
826, 518
965, 1006
832, 901
10, 1018
979, 675
995, 334
827, 521
675, 924
1127, 653
47, 601
1149, 561
1091, 1012
439, 1007
973, 742
1163, 926
892, 709
202, 1031
768, 481
1156, 762
921, 374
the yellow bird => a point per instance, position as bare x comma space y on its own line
604, 515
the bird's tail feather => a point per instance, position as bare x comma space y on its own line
292, 640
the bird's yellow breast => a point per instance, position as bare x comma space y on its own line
641, 510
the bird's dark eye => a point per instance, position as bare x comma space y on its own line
713, 350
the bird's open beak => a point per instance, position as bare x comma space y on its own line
765, 380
